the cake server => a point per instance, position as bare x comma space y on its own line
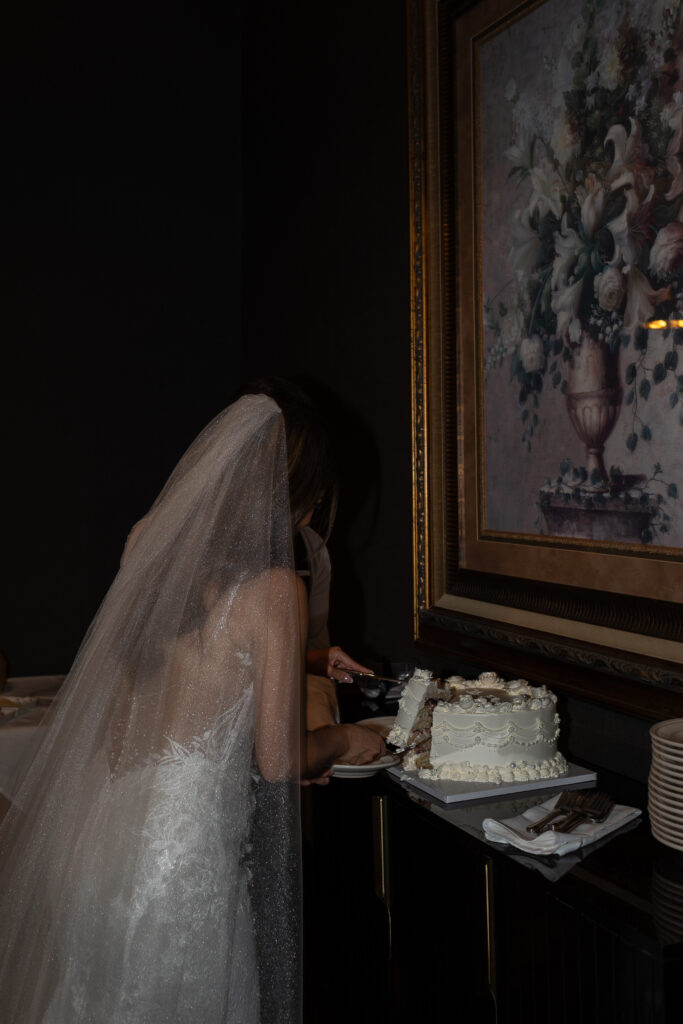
396, 748
374, 678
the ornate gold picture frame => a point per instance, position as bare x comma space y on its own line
596, 614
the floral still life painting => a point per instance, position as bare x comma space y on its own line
580, 153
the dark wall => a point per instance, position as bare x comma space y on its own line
121, 308
122, 304
326, 275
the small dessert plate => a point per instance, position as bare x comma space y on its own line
364, 771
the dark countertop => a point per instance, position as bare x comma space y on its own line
628, 876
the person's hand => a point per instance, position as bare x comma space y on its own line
363, 745
349, 743
333, 663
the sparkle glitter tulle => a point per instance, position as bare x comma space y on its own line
151, 860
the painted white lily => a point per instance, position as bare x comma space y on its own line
629, 228
626, 148
568, 246
524, 245
565, 305
547, 189
593, 207
667, 248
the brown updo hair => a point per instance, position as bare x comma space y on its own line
311, 466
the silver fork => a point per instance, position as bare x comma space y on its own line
567, 800
595, 808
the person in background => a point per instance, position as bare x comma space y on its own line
326, 664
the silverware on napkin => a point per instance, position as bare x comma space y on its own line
566, 801
594, 808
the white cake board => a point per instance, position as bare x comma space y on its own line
451, 791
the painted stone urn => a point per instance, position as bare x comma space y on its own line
594, 398
595, 509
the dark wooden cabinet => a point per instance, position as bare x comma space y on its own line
442, 963
560, 959
412, 917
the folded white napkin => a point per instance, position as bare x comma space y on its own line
513, 830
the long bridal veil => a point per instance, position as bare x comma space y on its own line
149, 866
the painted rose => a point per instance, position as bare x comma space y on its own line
532, 354
609, 289
667, 249
512, 329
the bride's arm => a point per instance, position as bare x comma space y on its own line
274, 620
346, 742
280, 697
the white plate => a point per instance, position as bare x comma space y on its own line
364, 771
664, 826
667, 835
662, 748
667, 838
665, 802
667, 816
660, 756
663, 819
668, 767
674, 804
657, 807
673, 782
669, 780
656, 778
670, 731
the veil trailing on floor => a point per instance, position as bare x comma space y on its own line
149, 866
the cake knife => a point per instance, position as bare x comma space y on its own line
377, 679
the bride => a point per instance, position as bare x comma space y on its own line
150, 861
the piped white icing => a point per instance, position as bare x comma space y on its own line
483, 730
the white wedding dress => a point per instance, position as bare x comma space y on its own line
151, 861
181, 825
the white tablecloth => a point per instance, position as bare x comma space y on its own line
20, 736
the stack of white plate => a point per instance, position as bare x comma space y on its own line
665, 784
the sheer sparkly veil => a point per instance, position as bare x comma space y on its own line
192, 664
